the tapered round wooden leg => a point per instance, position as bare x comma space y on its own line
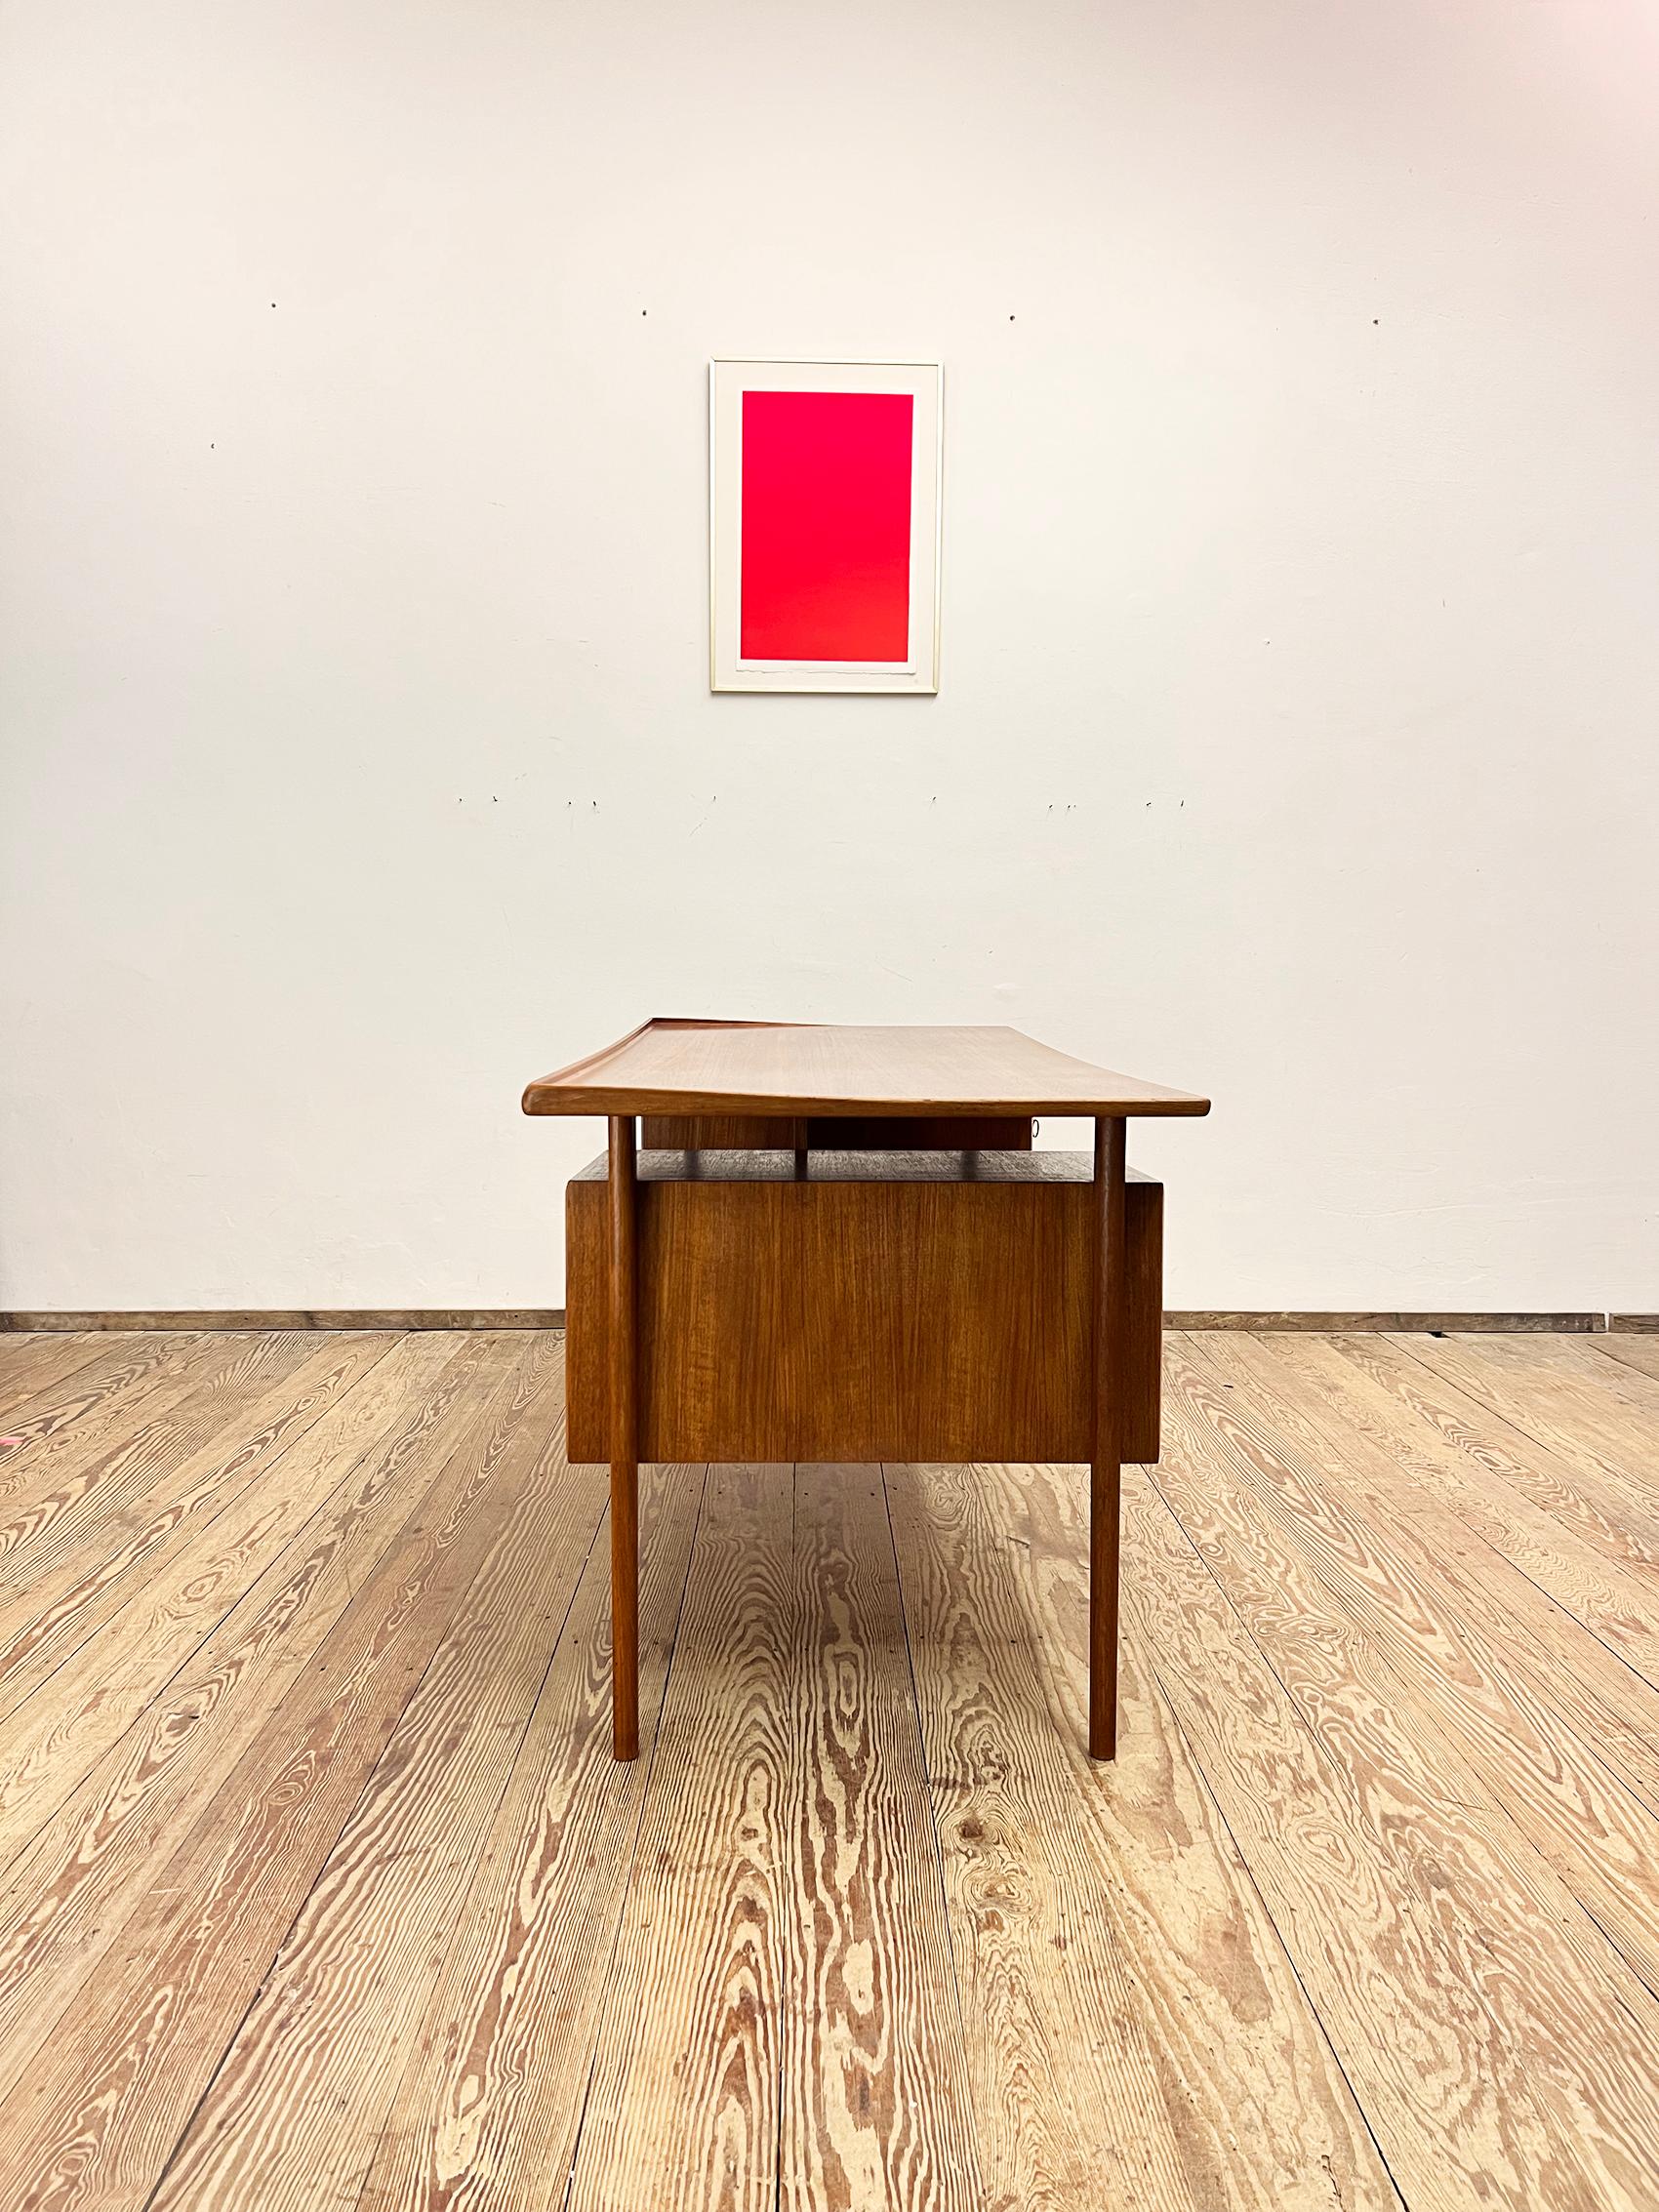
624, 1611
623, 1424
1105, 1484
1110, 1290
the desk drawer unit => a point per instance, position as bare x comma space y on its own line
767, 1331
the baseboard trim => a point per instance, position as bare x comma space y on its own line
1555, 1324
356, 1317
553, 1317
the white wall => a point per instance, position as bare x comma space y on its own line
1300, 660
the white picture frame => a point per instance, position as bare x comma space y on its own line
729, 670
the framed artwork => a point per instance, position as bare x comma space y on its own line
824, 515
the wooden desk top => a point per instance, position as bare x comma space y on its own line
690, 1066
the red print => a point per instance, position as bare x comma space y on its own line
826, 526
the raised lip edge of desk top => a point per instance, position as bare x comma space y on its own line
564, 1093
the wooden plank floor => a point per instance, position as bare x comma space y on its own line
318, 1887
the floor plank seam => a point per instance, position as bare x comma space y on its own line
150, 1382
1321, 1750
102, 1627
1499, 1798
778, 2069
1514, 1815
263, 1981
1525, 1663
161, 1689
86, 1351
486, 1827
1636, 1974
926, 1766
624, 1887
1495, 1412
1527, 1666
1529, 1659
1617, 1349
778, 2078
1278, 1933
322, 1868
1506, 1416
1512, 1564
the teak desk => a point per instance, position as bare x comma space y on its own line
838, 1244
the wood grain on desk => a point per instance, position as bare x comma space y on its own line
733, 1067
768, 1331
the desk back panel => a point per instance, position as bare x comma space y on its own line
897, 1305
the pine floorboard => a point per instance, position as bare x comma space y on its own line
1631, 1348
319, 1888
37, 1364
